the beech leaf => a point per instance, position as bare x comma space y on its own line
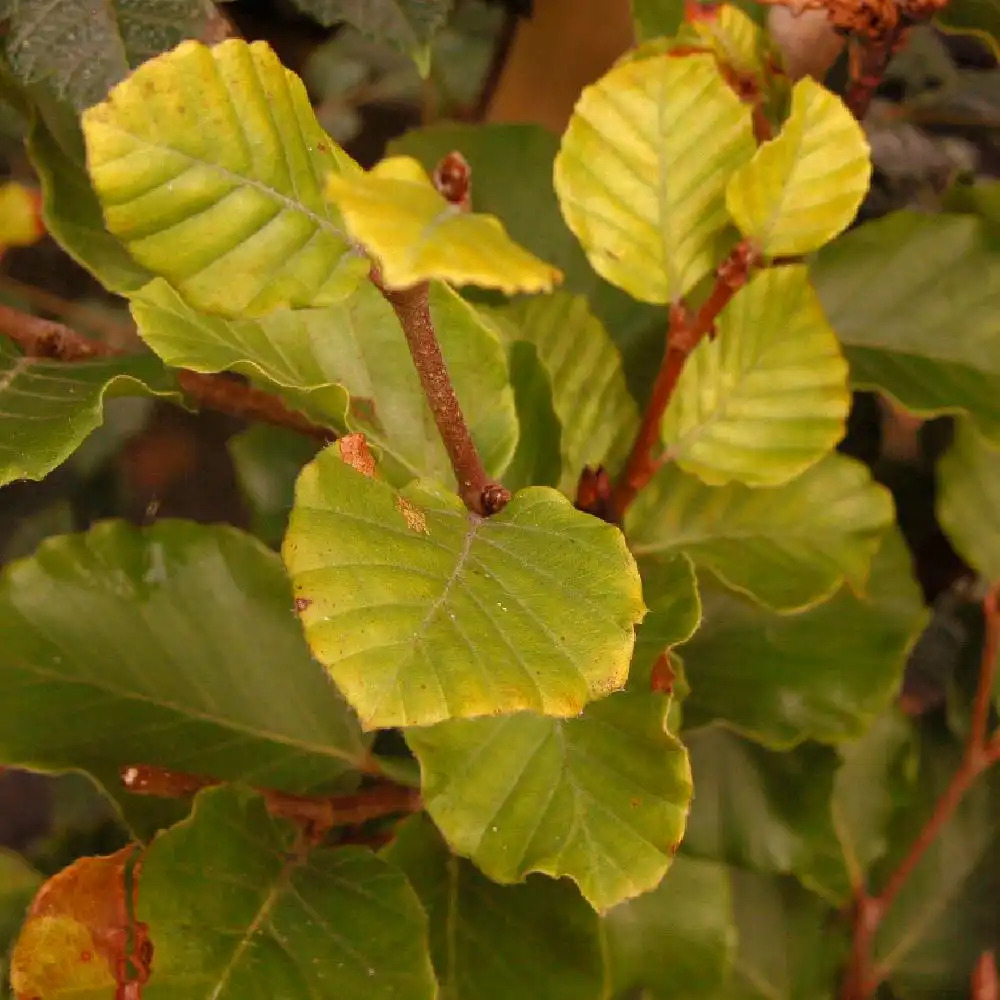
642, 171
968, 498
768, 396
494, 942
397, 214
256, 916
47, 408
805, 186
602, 798
127, 645
788, 547
823, 674
422, 611
598, 417
915, 300
209, 163
347, 367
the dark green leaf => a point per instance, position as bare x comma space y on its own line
678, 941
47, 407
492, 942
86, 48
174, 645
410, 25
238, 909
791, 944
267, 461
822, 674
758, 809
657, 18
915, 300
601, 798
980, 17
969, 498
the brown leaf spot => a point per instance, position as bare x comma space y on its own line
301, 603
354, 451
662, 676
413, 516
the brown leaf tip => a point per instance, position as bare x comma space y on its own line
453, 179
354, 451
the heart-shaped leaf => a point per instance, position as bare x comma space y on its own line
642, 171
257, 917
396, 212
768, 396
493, 942
209, 163
601, 799
804, 186
48, 407
788, 547
423, 611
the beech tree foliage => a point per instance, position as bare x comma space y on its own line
544, 673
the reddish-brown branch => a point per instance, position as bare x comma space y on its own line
316, 814
683, 336
42, 338
981, 752
453, 179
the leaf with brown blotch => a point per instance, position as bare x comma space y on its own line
80, 938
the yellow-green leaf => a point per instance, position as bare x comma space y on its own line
209, 164
396, 212
768, 397
803, 187
642, 171
422, 611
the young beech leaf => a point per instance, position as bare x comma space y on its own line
493, 942
48, 407
787, 547
642, 171
79, 940
598, 417
256, 916
422, 611
768, 396
805, 186
602, 798
397, 214
209, 163
969, 498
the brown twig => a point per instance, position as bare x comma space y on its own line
981, 752
317, 814
683, 336
43, 338
412, 307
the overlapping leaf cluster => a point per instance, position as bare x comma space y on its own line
774, 592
